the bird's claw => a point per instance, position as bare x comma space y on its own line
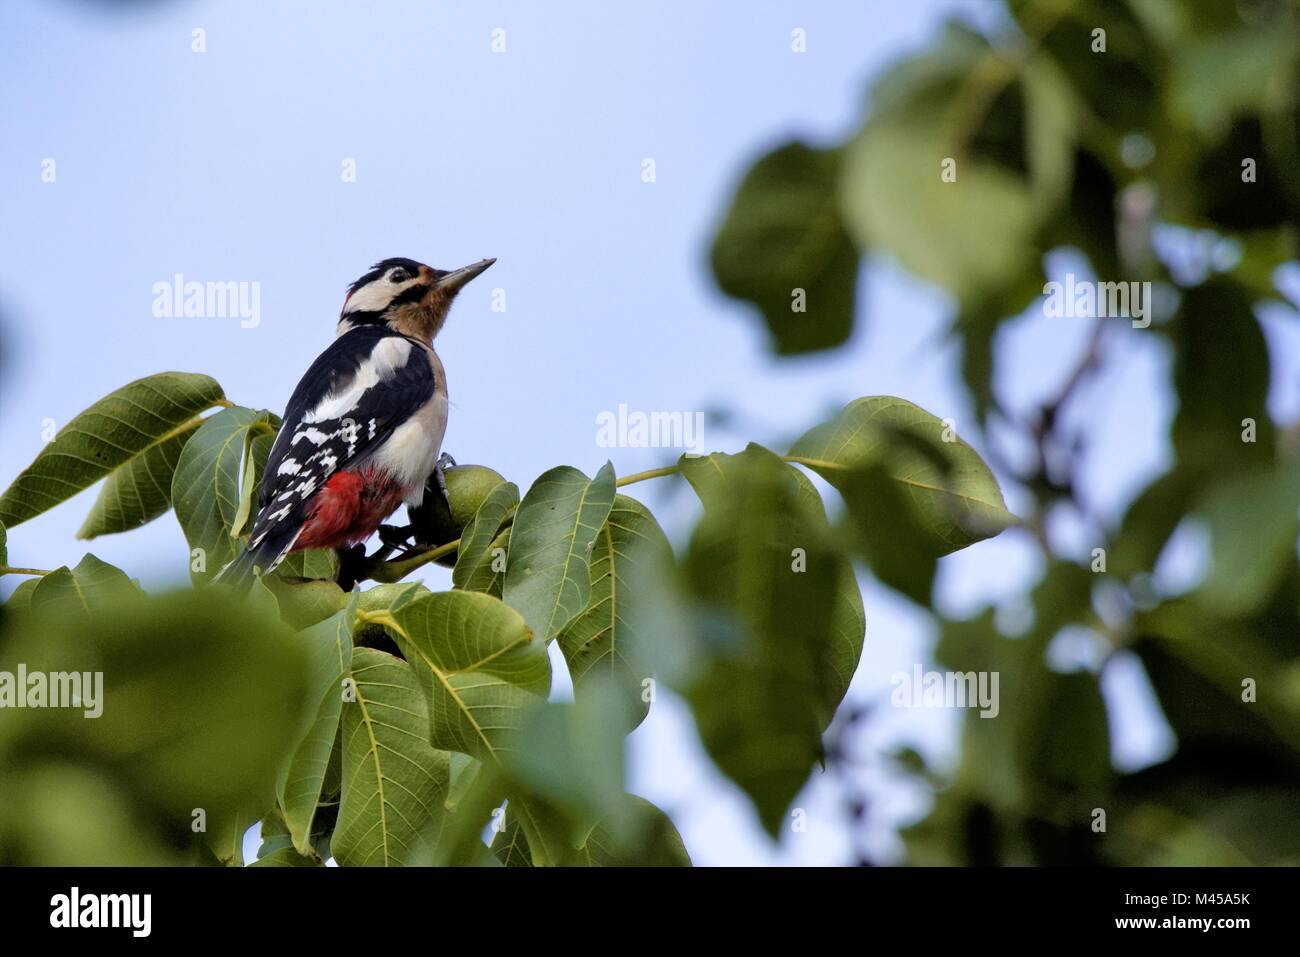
395, 536
444, 462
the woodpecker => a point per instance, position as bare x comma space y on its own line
363, 429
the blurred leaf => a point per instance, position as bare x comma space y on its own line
1198, 663
1221, 375
547, 578
912, 496
783, 233
116, 429
1253, 522
1149, 521
139, 491
1268, 202
762, 573
1175, 814
654, 841
64, 815
1215, 77
602, 639
394, 782
196, 708
970, 234
1131, 62
205, 488
709, 475
567, 771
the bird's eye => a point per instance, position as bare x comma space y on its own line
397, 275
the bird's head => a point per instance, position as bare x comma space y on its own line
408, 296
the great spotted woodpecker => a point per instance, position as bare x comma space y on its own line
364, 428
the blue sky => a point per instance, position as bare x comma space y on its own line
226, 165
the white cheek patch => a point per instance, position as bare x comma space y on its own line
375, 296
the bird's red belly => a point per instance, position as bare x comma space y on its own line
348, 509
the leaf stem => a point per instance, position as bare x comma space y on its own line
648, 474
389, 572
7, 570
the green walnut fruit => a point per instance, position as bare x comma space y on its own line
467, 486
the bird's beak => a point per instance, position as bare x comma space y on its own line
458, 277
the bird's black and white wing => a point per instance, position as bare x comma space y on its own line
368, 385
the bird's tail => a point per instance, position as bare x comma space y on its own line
260, 559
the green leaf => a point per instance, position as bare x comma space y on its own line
286, 857
570, 757
57, 814
478, 714
205, 489
903, 483
303, 604
302, 780
4, 545
555, 529
139, 491
256, 453
654, 841
1010, 156
510, 845
1221, 375
603, 639
394, 782
200, 702
848, 626
84, 590
479, 663
1128, 64
474, 556
1253, 522
111, 433
711, 478
454, 632
1039, 749
489, 574
783, 236
1234, 72
20, 599
763, 573
1149, 521
310, 563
